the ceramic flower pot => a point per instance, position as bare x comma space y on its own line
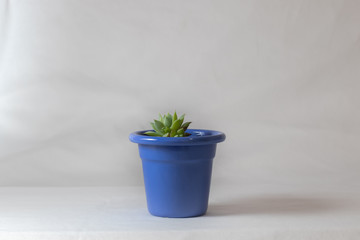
177, 171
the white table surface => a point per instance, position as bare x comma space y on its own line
252, 212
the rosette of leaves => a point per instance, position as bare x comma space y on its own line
169, 126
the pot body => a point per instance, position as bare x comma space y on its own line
177, 179
177, 171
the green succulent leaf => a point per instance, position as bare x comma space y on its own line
154, 134
158, 126
172, 133
168, 121
185, 125
176, 125
181, 118
180, 131
174, 117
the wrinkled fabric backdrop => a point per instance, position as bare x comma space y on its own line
280, 78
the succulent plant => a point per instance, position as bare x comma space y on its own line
169, 126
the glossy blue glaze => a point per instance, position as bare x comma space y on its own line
177, 171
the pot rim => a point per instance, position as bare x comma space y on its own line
197, 137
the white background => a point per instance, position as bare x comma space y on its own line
280, 78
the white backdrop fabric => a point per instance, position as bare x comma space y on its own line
280, 78
108, 213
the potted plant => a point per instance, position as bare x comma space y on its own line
177, 166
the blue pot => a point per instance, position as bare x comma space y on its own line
177, 171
